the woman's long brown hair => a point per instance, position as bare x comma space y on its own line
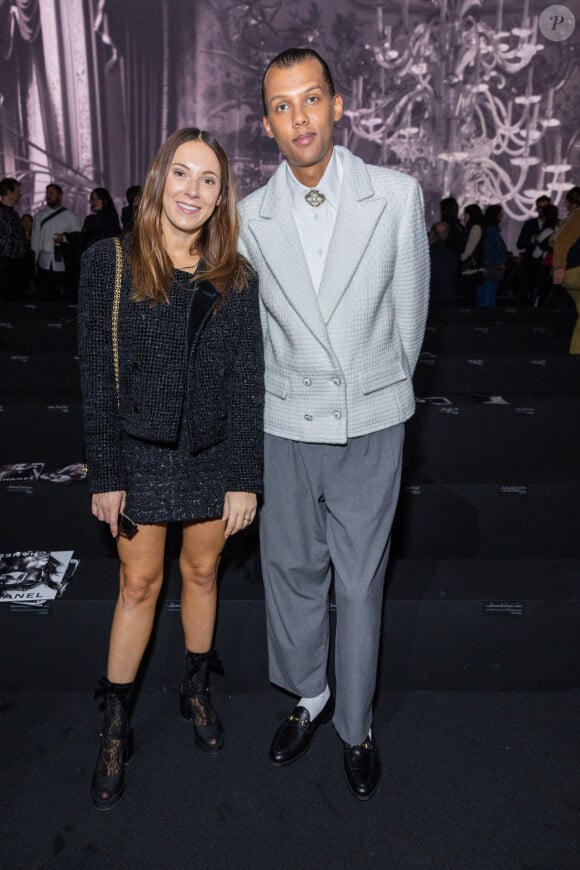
217, 242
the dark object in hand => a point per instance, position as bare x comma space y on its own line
127, 528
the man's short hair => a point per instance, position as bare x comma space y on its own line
8, 185
544, 198
440, 232
291, 57
56, 187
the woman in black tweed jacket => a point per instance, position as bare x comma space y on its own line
177, 435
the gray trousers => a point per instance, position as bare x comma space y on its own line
328, 506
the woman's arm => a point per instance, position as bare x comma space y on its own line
472, 242
106, 507
239, 511
101, 416
246, 394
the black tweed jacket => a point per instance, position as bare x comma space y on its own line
216, 377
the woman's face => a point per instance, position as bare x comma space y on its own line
192, 189
97, 203
26, 223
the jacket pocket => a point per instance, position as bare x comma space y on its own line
276, 384
376, 379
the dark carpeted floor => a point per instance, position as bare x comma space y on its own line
471, 781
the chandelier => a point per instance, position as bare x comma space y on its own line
452, 100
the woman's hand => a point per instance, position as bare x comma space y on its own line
106, 507
239, 511
558, 275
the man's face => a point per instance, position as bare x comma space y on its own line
301, 117
53, 196
12, 197
541, 206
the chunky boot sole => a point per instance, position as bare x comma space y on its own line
115, 784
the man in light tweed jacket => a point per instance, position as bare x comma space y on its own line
341, 252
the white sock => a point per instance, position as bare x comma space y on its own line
315, 705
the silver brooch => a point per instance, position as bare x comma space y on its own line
314, 198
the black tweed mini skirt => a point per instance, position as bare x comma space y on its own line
167, 483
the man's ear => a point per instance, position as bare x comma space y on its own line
337, 107
267, 127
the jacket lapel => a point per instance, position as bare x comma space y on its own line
359, 211
203, 300
277, 237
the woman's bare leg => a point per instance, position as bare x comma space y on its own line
141, 578
201, 549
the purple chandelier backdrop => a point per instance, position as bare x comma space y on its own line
466, 95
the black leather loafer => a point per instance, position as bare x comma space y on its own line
295, 734
362, 768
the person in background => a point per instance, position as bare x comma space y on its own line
103, 223
27, 222
543, 256
49, 240
472, 254
178, 435
528, 272
566, 261
494, 257
444, 262
12, 244
133, 195
449, 214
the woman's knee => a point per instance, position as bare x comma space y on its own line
201, 576
138, 589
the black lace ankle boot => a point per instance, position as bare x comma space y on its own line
195, 700
116, 743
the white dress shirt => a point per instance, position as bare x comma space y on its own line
315, 225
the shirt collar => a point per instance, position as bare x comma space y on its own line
329, 184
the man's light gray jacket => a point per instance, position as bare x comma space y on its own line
339, 365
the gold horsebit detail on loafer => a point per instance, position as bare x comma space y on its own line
303, 722
364, 745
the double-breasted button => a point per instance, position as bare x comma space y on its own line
136, 408
136, 366
337, 382
308, 417
306, 382
337, 415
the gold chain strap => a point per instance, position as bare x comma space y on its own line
115, 316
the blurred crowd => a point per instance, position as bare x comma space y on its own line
470, 261
40, 254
